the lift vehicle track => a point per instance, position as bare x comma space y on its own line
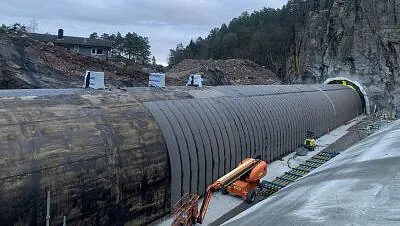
267, 188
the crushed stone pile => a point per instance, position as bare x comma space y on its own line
222, 72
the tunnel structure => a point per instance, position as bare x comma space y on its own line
365, 102
125, 157
208, 137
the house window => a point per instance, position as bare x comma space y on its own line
97, 51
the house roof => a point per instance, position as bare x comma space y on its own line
72, 40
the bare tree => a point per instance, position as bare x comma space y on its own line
33, 26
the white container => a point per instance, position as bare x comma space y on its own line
157, 80
195, 80
94, 80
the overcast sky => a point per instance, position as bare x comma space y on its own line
165, 22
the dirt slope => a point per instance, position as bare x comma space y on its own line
25, 63
222, 72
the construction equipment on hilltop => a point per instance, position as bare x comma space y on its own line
243, 181
309, 142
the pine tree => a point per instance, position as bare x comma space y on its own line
267, 37
94, 35
133, 46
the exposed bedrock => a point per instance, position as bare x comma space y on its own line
358, 40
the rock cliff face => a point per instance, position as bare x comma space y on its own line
359, 40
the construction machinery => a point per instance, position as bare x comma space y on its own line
309, 142
243, 181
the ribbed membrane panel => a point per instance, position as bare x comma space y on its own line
206, 138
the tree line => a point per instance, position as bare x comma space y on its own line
132, 46
20, 28
16, 28
267, 37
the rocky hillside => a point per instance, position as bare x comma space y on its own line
357, 39
309, 41
25, 63
222, 72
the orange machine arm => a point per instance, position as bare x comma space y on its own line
244, 167
207, 198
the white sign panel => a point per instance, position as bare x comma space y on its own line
157, 80
94, 80
195, 80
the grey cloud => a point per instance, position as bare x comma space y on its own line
166, 22
124, 12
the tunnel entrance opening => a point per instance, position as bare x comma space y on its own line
357, 87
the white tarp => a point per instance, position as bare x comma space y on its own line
94, 80
157, 80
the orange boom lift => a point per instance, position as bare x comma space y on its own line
241, 181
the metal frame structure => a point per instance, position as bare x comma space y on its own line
213, 134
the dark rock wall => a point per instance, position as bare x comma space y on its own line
357, 39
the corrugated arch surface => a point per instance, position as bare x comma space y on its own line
208, 137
